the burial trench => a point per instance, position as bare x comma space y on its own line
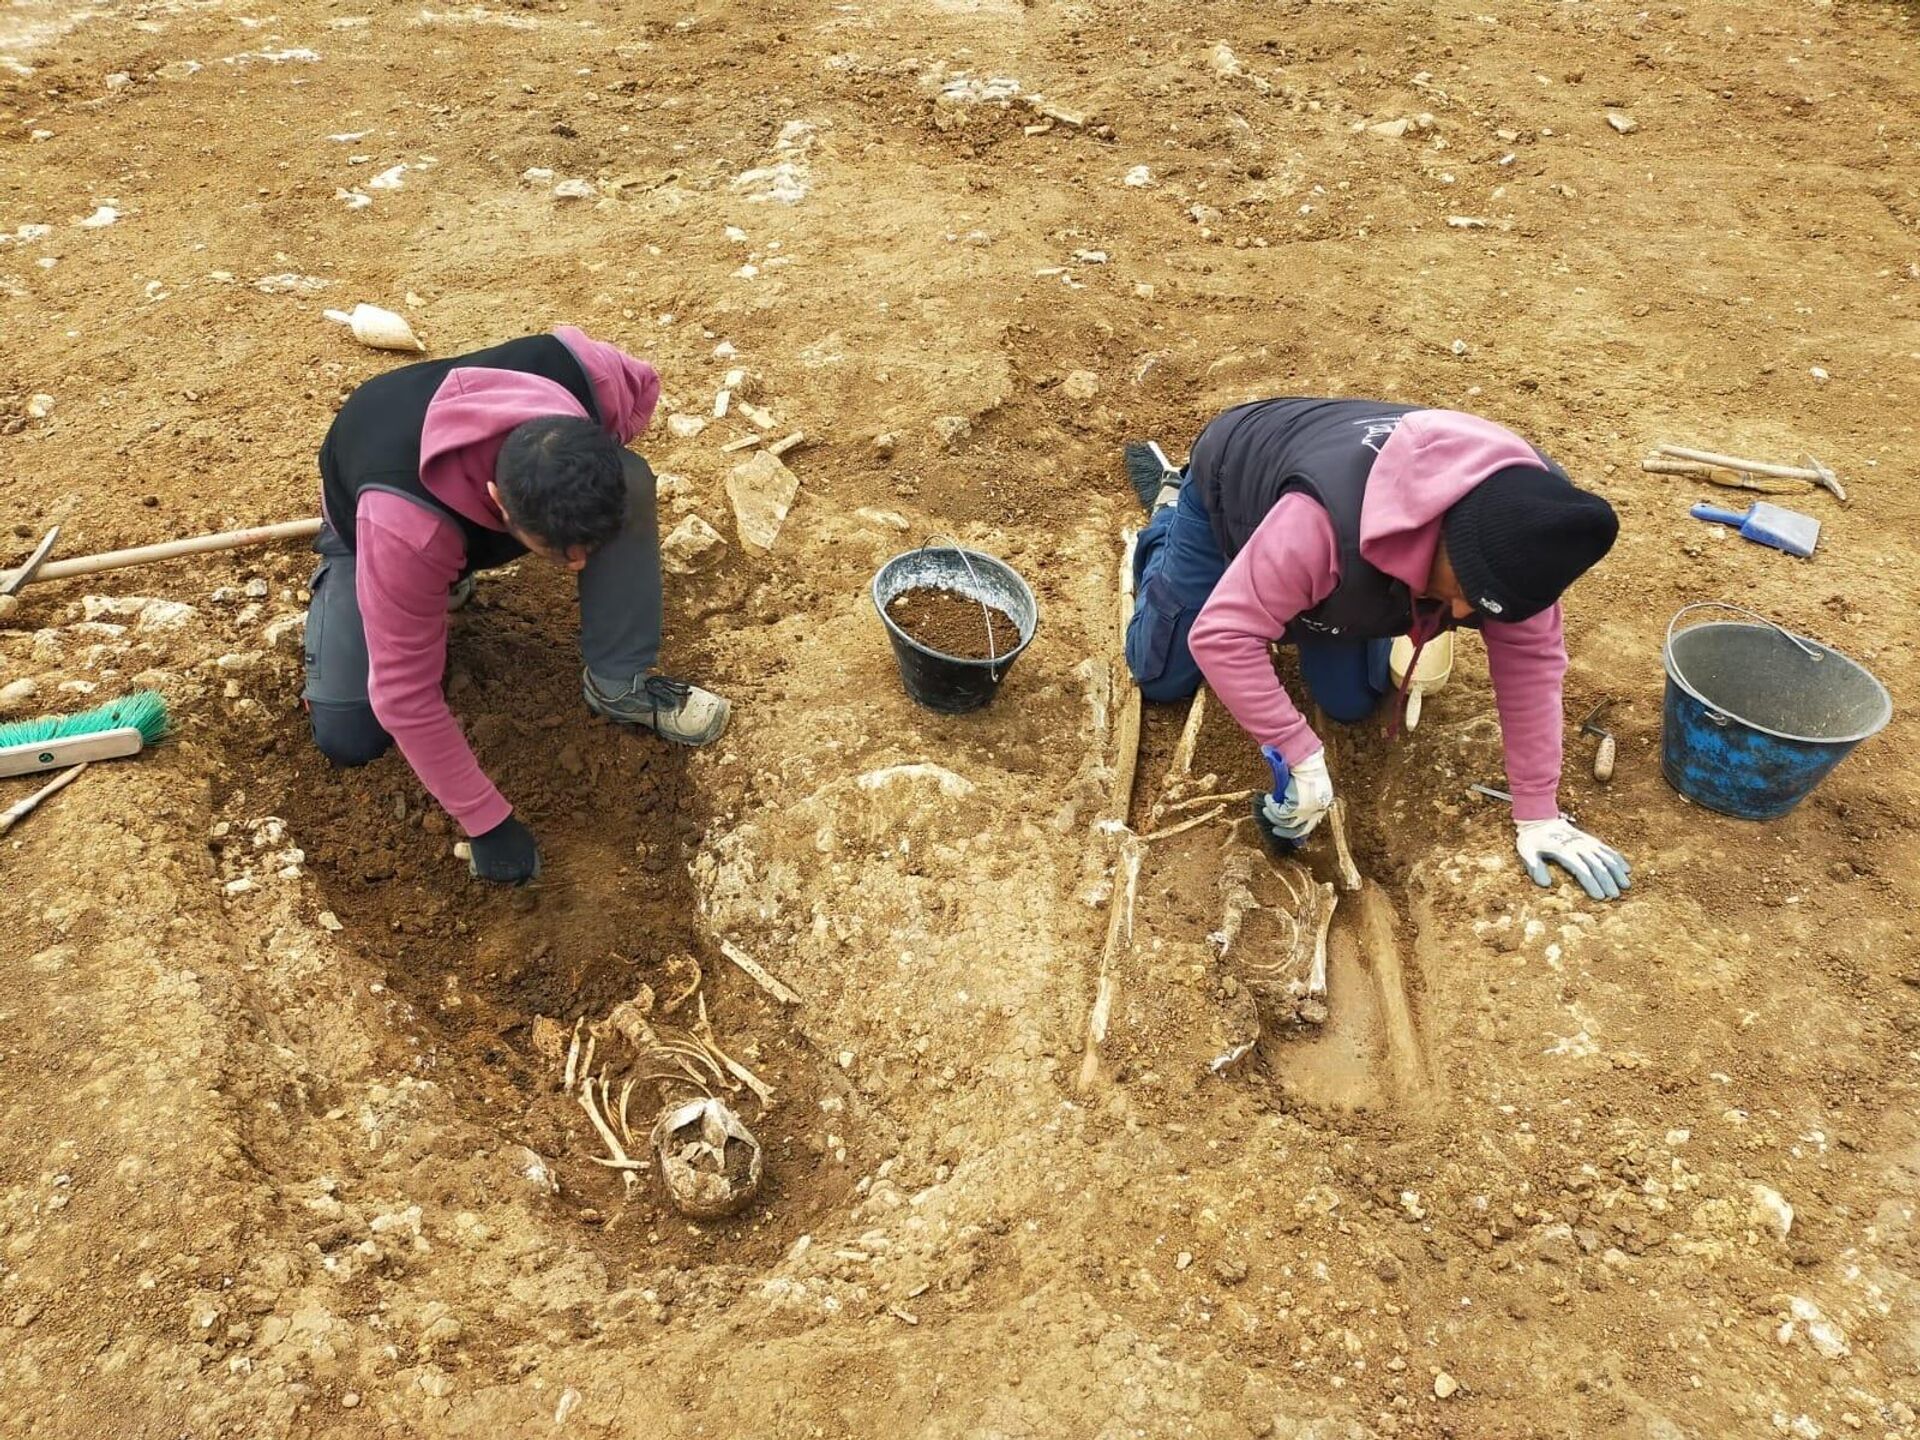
478, 967
1371, 1054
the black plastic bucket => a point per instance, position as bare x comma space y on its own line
949, 683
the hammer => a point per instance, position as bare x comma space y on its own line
1604, 756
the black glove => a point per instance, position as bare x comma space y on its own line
505, 854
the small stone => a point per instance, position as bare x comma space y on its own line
1466, 222
1080, 385
1410, 1202
350, 1400
16, 693
692, 545
1445, 1385
1459, 347
890, 519
256, 589
239, 887
1230, 1269
685, 427
1555, 1245
536, 175
1183, 1260
39, 407
1390, 129
1770, 1211
119, 80
330, 922
574, 190
437, 1383
884, 443
1818, 373
952, 429
570, 760
1622, 122
1139, 177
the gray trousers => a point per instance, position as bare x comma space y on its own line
619, 625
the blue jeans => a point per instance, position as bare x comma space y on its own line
1176, 564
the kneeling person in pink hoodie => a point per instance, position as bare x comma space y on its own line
1335, 525
436, 470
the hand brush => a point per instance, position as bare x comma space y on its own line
121, 727
1155, 478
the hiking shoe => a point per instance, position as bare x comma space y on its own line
672, 709
460, 594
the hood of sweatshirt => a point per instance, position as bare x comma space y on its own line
475, 409
1432, 458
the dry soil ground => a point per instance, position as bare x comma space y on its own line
281, 1156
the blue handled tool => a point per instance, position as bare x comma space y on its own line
1766, 524
1277, 763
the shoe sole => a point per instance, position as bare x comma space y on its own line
726, 718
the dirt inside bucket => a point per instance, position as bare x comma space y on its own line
952, 623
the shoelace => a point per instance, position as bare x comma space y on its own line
666, 694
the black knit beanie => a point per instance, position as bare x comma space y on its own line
1520, 537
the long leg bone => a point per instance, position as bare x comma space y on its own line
1349, 872
1119, 938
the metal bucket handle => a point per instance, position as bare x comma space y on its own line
1714, 716
986, 611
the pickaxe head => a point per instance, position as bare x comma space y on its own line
14, 580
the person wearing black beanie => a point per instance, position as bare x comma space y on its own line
1335, 526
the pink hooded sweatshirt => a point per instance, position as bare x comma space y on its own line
408, 556
1291, 563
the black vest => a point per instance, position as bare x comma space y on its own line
374, 442
1252, 455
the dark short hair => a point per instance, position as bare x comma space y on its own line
561, 481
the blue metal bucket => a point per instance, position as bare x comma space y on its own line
1755, 716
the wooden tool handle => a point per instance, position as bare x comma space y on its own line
1603, 758
34, 757
173, 549
14, 814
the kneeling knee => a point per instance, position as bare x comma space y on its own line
349, 738
1349, 711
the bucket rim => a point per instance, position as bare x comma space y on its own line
1676, 677
996, 663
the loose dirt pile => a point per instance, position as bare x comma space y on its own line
287, 1150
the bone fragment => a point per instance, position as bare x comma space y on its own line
1119, 938
625, 1161
1162, 834
759, 974
1343, 853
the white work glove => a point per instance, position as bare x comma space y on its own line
1308, 797
1601, 870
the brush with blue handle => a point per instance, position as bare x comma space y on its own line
1276, 841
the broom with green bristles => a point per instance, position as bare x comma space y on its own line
122, 727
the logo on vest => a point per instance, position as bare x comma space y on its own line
1492, 607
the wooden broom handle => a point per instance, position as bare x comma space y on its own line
173, 549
